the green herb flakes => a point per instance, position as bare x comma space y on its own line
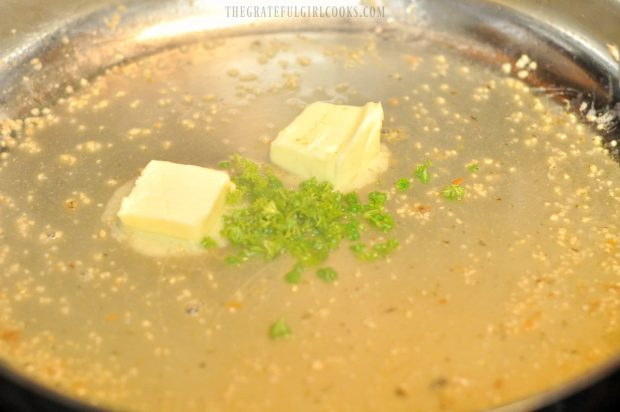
308, 223
377, 251
473, 167
235, 260
376, 199
279, 330
352, 202
453, 192
421, 172
403, 184
294, 275
352, 230
379, 219
327, 274
208, 242
224, 164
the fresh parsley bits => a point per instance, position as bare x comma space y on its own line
453, 191
279, 330
421, 172
309, 222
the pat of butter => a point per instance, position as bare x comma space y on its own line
171, 199
330, 142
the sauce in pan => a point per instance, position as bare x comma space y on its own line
510, 291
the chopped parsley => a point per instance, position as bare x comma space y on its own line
208, 242
352, 230
327, 274
234, 260
403, 184
421, 172
279, 329
224, 164
473, 167
268, 219
294, 275
453, 192
377, 251
379, 219
377, 199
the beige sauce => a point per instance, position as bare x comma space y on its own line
512, 291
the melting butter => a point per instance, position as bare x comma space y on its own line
330, 142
